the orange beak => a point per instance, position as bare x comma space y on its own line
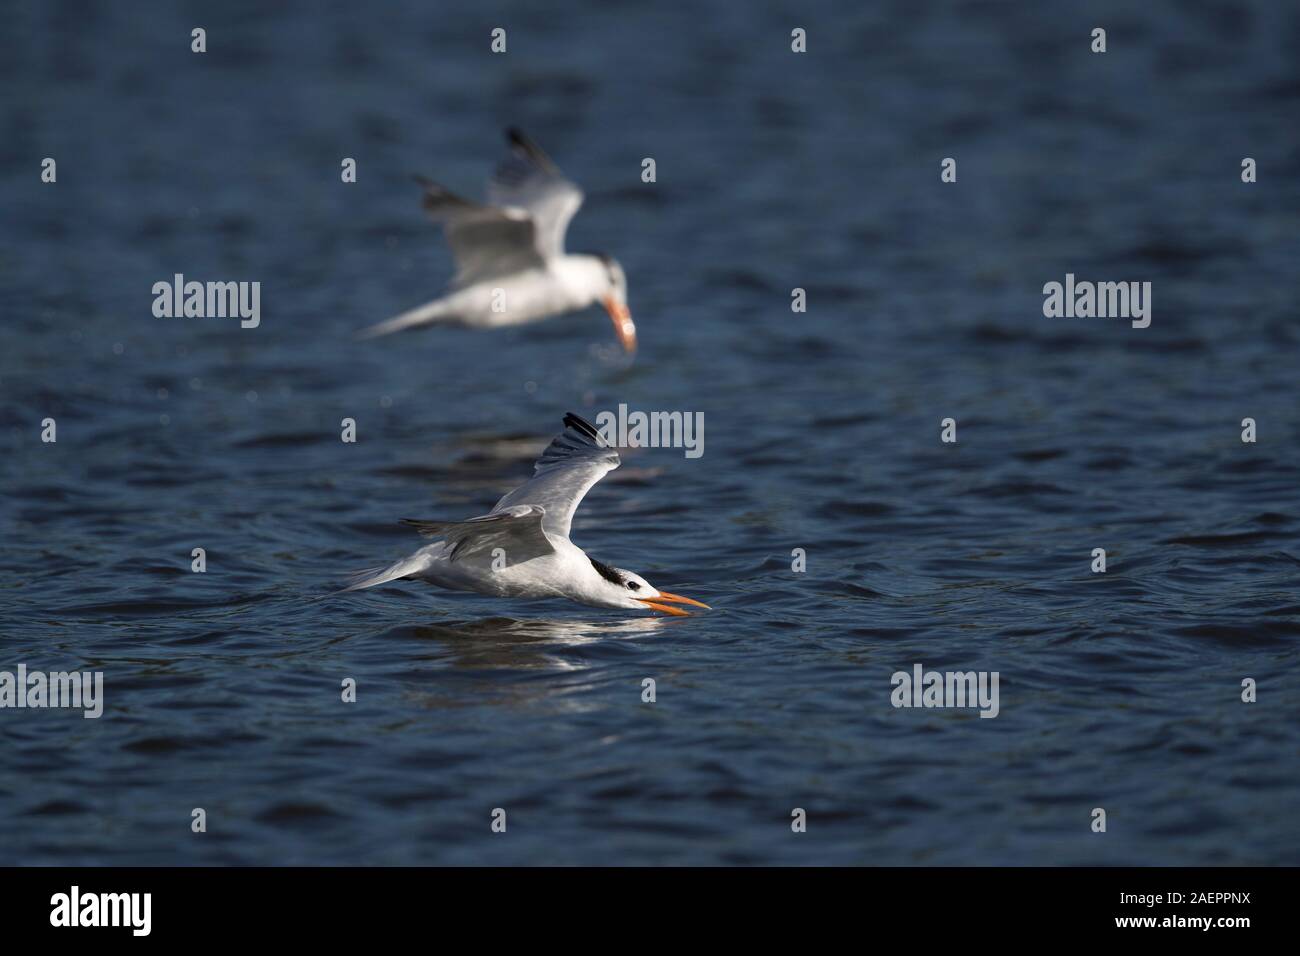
624, 327
665, 596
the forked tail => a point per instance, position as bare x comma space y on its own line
435, 311
372, 577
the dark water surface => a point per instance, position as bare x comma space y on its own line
775, 171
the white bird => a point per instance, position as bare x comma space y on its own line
511, 266
522, 549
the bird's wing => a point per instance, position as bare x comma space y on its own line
516, 531
486, 241
527, 180
571, 464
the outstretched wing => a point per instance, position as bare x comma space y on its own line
571, 464
516, 531
527, 180
486, 241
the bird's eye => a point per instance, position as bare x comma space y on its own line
634, 586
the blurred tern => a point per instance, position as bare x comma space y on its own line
511, 266
522, 549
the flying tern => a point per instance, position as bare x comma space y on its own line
511, 266
522, 549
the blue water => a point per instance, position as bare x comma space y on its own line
774, 171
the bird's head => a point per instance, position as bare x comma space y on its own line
622, 588
614, 299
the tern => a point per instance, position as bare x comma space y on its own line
522, 549
511, 266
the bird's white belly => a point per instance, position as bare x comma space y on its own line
513, 300
527, 579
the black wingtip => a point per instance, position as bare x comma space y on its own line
427, 529
580, 424
520, 141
